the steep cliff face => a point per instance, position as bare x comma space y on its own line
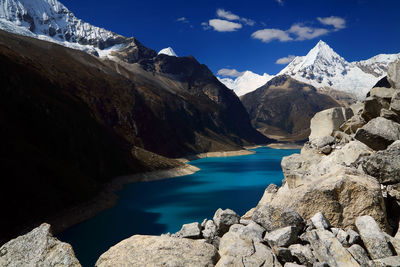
72, 122
284, 107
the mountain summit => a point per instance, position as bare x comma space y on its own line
168, 51
323, 67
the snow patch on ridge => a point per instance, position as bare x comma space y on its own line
246, 83
168, 51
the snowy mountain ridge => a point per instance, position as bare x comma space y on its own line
168, 51
247, 82
51, 21
322, 67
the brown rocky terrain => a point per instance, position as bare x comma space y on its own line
282, 108
71, 122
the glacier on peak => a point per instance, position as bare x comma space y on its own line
168, 51
245, 83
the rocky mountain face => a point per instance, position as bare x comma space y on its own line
323, 67
282, 108
74, 122
338, 205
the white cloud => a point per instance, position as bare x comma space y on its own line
306, 33
221, 25
337, 22
280, 2
205, 26
230, 73
285, 60
227, 14
182, 19
268, 35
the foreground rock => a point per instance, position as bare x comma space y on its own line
394, 74
37, 248
379, 133
159, 251
224, 219
341, 196
328, 249
324, 123
384, 165
373, 238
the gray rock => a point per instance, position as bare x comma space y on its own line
393, 75
210, 231
320, 222
386, 262
223, 219
342, 237
395, 103
324, 123
252, 231
141, 251
284, 255
353, 237
335, 231
291, 264
379, 133
359, 254
328, 249
326, 150
282, 237
384, 165
353, 124
383, 92
273, 217
303, 254
395, 242
323, 141
238, 249
320, 264
372, 108
37, 248
373, 238
390, 115
190, 230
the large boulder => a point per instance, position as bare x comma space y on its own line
37, 248
382, 92
372, 108
224, 219
275, 217
390, 115
384, 165
328, 249
238, 248
190, 230
282, 237
373, 238
299, 169
395, 103
140, 250
327, 121
394, 74
379, 133
341, 196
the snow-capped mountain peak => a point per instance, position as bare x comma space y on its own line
168, 51
247, 82
323, 67
51, 21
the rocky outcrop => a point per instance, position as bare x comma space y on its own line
394, 74
326, 122
37, 248
159, 251
379, 133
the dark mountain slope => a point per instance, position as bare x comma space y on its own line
71, 122
283, 108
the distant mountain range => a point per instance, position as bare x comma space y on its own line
323, 67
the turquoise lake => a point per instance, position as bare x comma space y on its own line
163, 206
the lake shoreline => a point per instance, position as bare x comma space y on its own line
107, 198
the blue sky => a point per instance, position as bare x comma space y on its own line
250, 35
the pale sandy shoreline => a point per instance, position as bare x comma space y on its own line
284, 146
